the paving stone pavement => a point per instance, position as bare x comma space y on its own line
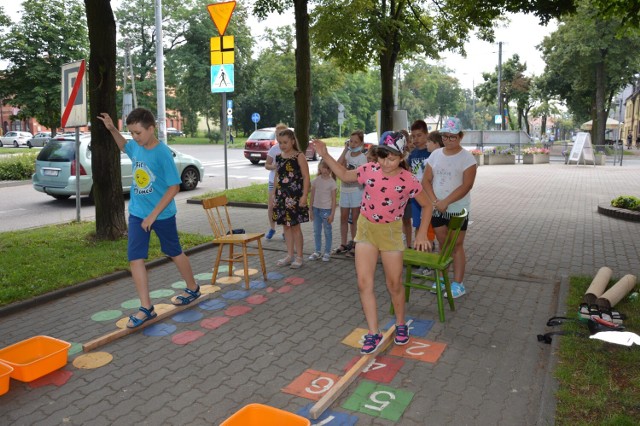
532, 227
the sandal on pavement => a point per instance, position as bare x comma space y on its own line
284, 261
297, 264
185, 300
342, 249
137, 322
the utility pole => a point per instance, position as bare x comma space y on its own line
161, 115
501, 125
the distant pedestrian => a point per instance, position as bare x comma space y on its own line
448, 179
291, 193
388, 186
629, 139
270, 165
152, 207
323, 209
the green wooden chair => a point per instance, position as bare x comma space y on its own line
438, 262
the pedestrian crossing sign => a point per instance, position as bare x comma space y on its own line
222, 78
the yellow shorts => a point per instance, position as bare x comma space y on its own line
385, 236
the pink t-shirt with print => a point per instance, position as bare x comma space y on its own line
385, 197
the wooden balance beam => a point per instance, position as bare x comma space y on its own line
344, 382
121, 332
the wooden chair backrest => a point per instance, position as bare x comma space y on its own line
218, 215
455, 225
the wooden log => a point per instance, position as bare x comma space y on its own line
121, 332
342, 384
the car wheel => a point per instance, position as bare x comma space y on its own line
15, 144
60, 197
29, 144
190, 178
1, 144
253, 161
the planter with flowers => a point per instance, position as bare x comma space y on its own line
535, 155
495, 156
479, 156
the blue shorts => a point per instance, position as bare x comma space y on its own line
351, 199
416, 212
165, 229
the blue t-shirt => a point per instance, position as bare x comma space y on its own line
418, 162
154, 171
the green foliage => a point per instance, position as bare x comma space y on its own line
599, 382
18, 166
628, 202
50, 33
48, 258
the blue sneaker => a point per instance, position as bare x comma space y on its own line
433, 286
457, 290
270, 234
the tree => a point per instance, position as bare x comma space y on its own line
50, 34
105, 158
587, 63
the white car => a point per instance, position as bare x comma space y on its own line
15, 139
56, 169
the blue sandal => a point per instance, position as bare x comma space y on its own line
137, 322
185, 300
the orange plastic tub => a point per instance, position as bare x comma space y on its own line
5, 373
263, 415
35, 357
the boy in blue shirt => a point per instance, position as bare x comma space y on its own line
151, 207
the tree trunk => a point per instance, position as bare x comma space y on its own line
387, 66
601, 113
303, 74
105, 156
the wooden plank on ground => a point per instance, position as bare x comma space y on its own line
342, 384
121, 332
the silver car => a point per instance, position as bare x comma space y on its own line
56, 169
15, 138
39, 139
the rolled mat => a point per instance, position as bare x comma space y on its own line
598, 285
616, 293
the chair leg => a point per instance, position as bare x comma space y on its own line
245, 263
231, 260
439, 293
217, 264
262, 262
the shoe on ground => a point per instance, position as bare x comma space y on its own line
457, 290
284, 261
282, 237
433, 287
326, 257
402, 335
315, 256
296, 264
270, 234
371, 343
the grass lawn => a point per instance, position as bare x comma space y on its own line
37, 261
599, 381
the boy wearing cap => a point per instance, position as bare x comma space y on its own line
448, 179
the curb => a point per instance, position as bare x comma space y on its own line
232, 204
618, 213
94, 282
8, 183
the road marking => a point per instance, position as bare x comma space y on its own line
12, 211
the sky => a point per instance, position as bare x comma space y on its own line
520, 36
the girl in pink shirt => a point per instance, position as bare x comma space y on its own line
388, 187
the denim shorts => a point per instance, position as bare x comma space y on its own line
165, 229
351, 199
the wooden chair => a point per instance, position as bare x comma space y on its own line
218, 215
438, 262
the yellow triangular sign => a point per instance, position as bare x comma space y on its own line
221, 14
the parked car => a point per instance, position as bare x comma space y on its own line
259, 142
172, 131
56, 169
39, 139
15, 138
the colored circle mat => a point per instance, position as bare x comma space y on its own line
274, 276
186, 337
122, 323
161, 308
284, 289
204, 277
236, 311
228, 280
257, 284
187, 316
256, 299
159, 330
106, 315
208, 288
130, 304
250, 271
213, 305
92, 360
294, 280
75, 348
213, 323
236, 294
163, 292
222, 268
179, 285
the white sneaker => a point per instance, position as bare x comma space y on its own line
315, 256
326, 257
